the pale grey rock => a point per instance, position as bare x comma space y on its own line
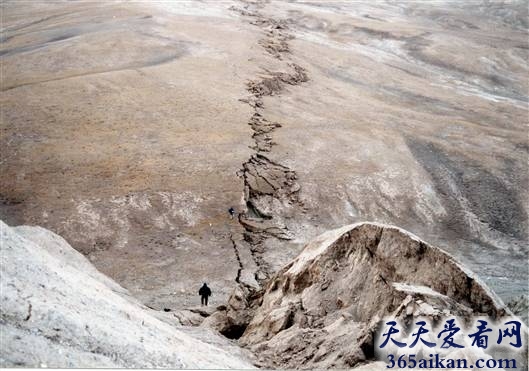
323, 309
59, 311
520, 307
231, 320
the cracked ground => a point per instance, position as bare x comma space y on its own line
131, 128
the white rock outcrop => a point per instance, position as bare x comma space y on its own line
58, 311
322, 310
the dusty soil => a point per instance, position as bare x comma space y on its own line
131, 128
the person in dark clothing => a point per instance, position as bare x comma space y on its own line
205, 293
231, 210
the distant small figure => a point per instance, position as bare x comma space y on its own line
231, 211
205, 293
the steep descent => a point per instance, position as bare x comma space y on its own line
59, 311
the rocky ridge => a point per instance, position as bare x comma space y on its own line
322, 310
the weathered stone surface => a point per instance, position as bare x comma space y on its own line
58, 311
127, 126
130, 128
231, 321
322, 310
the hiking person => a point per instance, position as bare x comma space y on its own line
231, 211
205, 293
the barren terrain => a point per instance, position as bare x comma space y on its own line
130, 128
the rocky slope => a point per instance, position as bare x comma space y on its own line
130, 128
58, 311
322, 310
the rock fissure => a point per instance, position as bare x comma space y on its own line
238, 257
299, 117
268, 185
29, 312
270, 188
323, 309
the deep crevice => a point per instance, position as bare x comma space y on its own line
234, 331
268, 185
237, 256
